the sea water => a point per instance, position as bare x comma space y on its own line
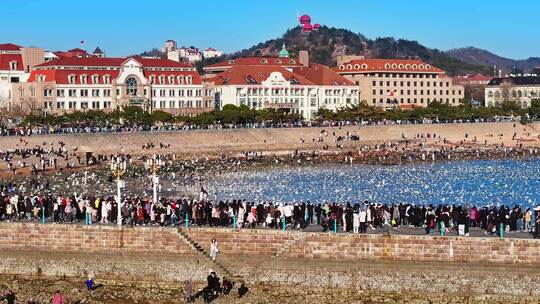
476, 182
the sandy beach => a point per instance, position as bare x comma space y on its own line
214, 142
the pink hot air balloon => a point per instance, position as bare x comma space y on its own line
307, 28
316, 26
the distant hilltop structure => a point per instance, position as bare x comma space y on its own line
188, 54
307, 27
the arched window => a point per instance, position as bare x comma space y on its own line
131, 86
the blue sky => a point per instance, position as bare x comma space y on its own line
127, 27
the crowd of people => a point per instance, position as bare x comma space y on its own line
81, 128
359, 217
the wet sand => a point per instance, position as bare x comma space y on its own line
211, 144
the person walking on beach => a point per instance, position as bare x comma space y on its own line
188, 291
213, 249
58, 298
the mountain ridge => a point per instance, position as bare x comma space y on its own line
325, 44
484, 57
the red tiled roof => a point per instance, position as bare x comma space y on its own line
161, 63
83, 61
472, 78
276, 61
10, 47
112, 62
322, 75
62, 76
387, 65
239, 75
5, 59
196, 78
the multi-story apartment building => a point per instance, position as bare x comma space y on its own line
15, 65
79, 83
390, 83
302, 90
519, 89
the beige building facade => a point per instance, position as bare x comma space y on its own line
390, 83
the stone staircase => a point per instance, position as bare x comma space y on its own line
219, 266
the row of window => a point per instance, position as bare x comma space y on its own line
399, 75
47, 92
174, 104
77, 105
412, 100
415, 92
96, 105
106, 79
515, 93
414, 83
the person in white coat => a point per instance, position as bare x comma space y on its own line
356, 222
213, 249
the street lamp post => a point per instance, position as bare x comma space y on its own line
118, 168
153, 164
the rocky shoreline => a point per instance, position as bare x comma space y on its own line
41, 289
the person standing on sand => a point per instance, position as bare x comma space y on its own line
9, 297
213, 249
188, 291
58, 298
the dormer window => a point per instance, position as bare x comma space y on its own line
84, 79
71, 79
294, 80
13, 65
106, 79
152, 79
171, 79
161, 79
264, 61
250, 79
181, 79
95, 79
231, 61
278, 61
189, 80
40, 78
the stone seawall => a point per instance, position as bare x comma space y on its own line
144, 256
288, 244
370, 247
94, 238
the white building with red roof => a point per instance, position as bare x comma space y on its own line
282, 83
390, 83
79, 83
472, 79
15, 65
212, 53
